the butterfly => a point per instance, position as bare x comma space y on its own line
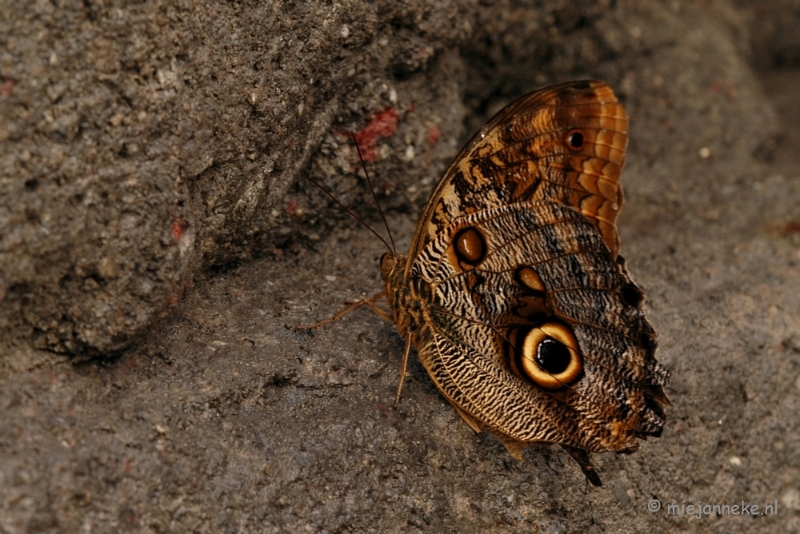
514, 293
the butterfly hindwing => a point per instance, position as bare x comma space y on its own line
480, 314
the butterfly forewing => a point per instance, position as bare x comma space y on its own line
523, 154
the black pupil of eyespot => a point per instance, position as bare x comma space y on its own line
576, 140
552, 356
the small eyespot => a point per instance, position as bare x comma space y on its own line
575, 139
550, 356
529, 278
470, 246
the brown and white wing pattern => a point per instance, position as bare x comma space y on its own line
514, 293
543, 273
563, 144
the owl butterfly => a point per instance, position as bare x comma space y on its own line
514, 293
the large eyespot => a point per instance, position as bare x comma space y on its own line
470, 246
550, 356
575, 139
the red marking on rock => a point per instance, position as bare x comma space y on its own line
433, 135
178, 225
383, 124
294, 208
717, 87
126, 466
7, 87
791, 228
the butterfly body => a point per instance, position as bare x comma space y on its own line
514, 294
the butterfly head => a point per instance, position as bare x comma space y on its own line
393, 268
406, 307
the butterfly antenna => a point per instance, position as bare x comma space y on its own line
345, 208
374, 196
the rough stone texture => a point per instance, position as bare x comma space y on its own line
222, 418
144, 142
773, 32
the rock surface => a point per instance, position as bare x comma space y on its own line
149, 194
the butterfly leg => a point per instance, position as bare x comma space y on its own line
406, 354
383, 314
369, 303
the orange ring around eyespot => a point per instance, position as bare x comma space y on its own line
575, 140
530, 347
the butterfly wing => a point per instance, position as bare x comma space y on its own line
523, 313
562, 144
543, 273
